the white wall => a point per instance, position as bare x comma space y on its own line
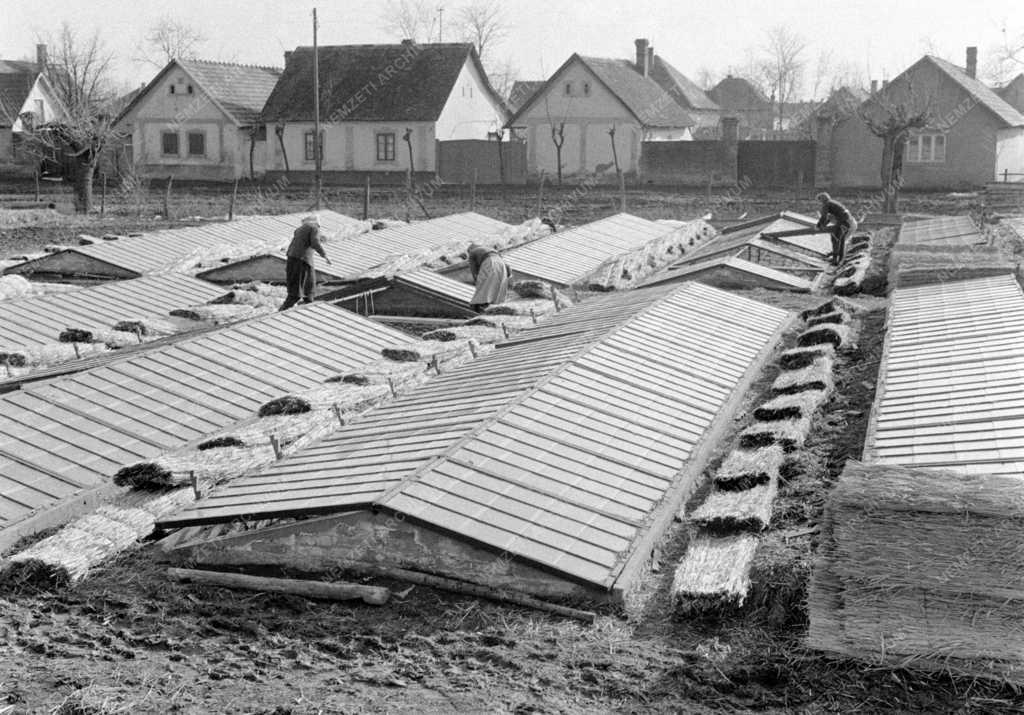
470, 112
588, 116
226, 152
1010, 153
352, 146
51, 108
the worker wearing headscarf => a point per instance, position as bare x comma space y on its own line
490, 274
299, 271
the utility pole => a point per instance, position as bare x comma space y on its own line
440, 23
318, 146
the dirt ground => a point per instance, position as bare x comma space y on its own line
129, 640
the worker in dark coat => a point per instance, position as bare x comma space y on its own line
490, 274
843, 224
299, 272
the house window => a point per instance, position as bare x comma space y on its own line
309, 146
40, 112
171, 89
385, 147
189, 90
169, 143
586, 89
568, 89
196, 144
926, 149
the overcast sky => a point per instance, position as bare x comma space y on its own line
878, 39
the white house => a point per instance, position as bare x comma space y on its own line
198, 120
587, 97
370, 96
26, 96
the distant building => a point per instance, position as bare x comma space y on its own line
521, 91
1013, 92
371, 95
974, 136
739, 98
198, 120
27, 99
587, 97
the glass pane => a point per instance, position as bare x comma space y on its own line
940, 147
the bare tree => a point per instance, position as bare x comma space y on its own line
482, 22
409, 19
502, 77
891, 115
79, 71
169, 39
707, 77
822, 81
782, 65
1005, 60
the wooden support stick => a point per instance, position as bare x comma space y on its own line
276, 445
472, 589
391, 384
472, 349
195, 483
533, 316
325, 590
138, 333
504, 329
337, 413
435, 364
78, 354
575, 295
554, 298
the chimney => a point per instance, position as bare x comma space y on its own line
874, 86
642, 65
41, 59
287, 57
650, 59
885, 83
972, 62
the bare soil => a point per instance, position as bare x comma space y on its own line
130, 640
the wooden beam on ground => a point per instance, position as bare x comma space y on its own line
324, 590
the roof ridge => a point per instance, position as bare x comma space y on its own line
230, 64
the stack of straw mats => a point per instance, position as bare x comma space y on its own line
924, 566
854, 266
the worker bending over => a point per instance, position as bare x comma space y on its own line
299, 272
842, 226
490, 274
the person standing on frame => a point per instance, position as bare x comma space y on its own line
844, 224
490, 274
299, 271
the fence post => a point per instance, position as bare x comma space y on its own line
540, 193
103, 195
231, 206
37, 184
366, 198
799, 184
472, 191
167, 198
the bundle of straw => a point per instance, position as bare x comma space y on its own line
834, 334
480, 333
424, 350
790, 434
817, 376
799, 358
382, 372
725, 512
827, 307
219, 442
527, 306
838, 317
286, 405
144, 475
215, 313
744, 469
530, 288
714, 575
923, 565
792, 406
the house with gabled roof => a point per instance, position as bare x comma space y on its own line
588, 97
1013, 92
739, 98
370, 96
198, 120
26, 99
972, 138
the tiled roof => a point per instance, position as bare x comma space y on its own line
241, 90
680, 86
405, 82
16, 80
982, 93
651, 104
739, 94
522, 90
